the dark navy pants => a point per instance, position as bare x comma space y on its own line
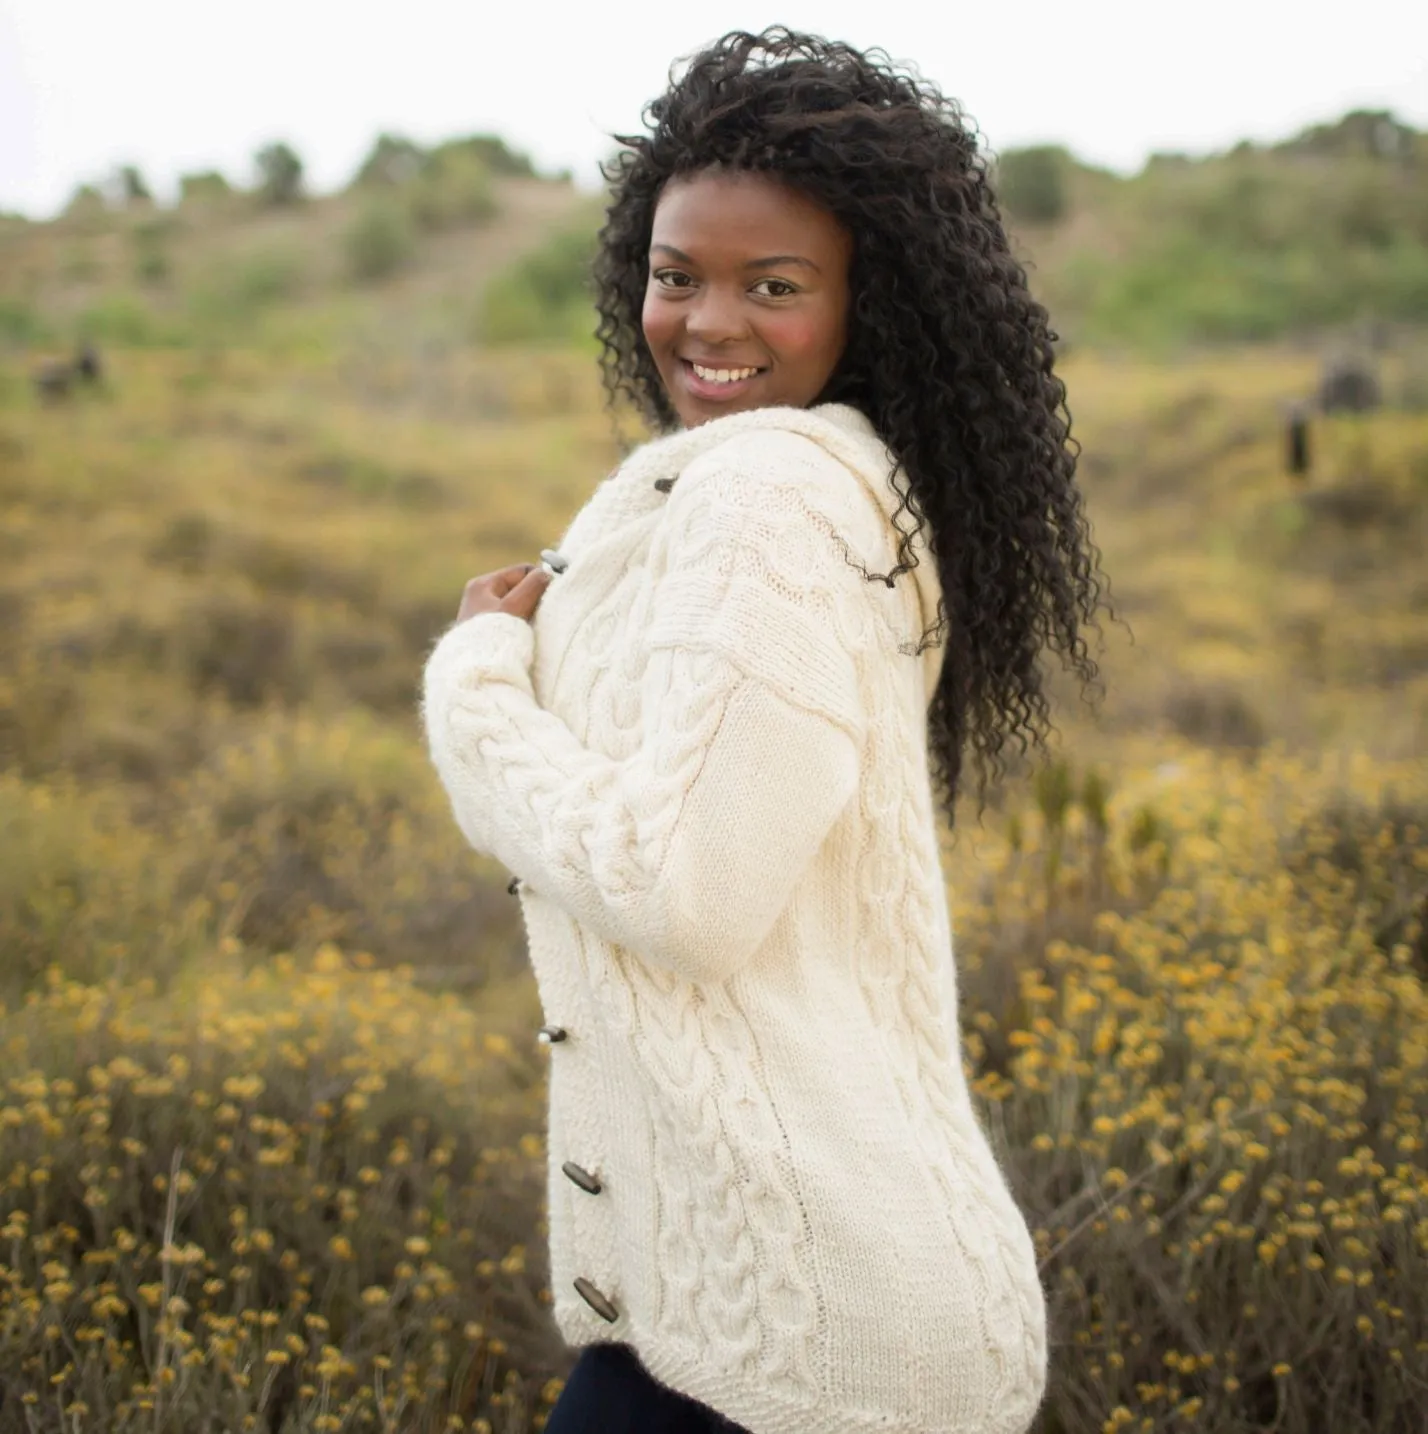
610, 1392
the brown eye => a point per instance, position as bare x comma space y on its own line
672, 278
775, 288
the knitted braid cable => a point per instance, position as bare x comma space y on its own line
748, 689
753, 1252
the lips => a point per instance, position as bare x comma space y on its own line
719, 382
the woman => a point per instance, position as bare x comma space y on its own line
710, 737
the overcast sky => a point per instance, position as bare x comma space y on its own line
175, 85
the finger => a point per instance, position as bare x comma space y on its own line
534, 581
504, 579
522, 598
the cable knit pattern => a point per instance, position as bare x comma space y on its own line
706, 761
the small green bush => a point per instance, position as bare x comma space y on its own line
203, 186
21, 324
379, 241
149, 241
1182, 288
1031, 183
279, 174
232, 294
83, 889
132, 186
544, 296
295, 846
268, 276
124, 318
392, 160
79, 264
453, 190
151, 265
491, 151
86, 202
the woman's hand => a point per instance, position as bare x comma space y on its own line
516, 589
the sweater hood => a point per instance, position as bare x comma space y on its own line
847, 434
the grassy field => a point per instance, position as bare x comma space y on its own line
271, 1114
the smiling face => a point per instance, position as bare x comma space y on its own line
746, 305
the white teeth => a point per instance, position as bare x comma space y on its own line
723, 375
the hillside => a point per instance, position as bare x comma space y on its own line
231, 272
1328, 228
1324, 232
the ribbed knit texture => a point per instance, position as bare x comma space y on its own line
706, 760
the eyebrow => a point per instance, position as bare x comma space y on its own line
767, 263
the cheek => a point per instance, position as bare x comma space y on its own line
809, 339
658, 322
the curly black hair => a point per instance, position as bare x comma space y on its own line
947, 353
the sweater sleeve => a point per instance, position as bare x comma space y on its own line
686, 851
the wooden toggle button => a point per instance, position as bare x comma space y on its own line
595, 1299
583, 1178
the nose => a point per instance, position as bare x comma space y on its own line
717, 315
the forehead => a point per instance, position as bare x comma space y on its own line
743, 213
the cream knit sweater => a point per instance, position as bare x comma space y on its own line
705, 760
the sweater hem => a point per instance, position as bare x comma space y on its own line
750, 1403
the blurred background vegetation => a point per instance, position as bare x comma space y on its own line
270, 1100
1272, 241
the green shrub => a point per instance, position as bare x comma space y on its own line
78, 264
149, 241
325, 830
1180, 288
1257, 201
1252, 244
279, 174
392, 160
20, 323
453, 189
124, 318
151, 264
231, 294
543, 296
1031, 183
132, 187
268, 276
85, 203
491, 151
1377, 133
203, 186
83, 889
379, 241
395, 161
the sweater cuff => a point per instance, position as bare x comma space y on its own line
489, 647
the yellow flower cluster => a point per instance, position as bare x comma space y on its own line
311, 1184
282, 1193
1212, 1087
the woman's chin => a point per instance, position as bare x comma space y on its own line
694, 411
